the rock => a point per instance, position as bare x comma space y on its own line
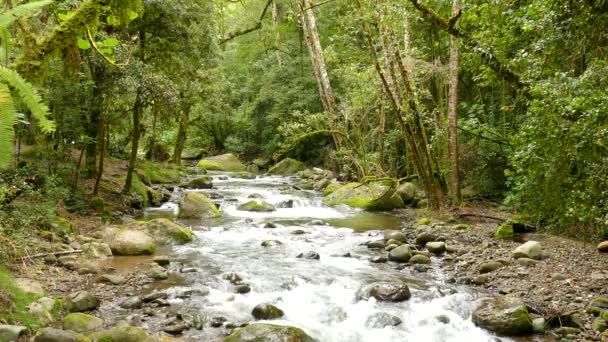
162, 260
461, 226
322, 184
424, 237
436, 248
113, 279
539, 324
504, 315
420, 259
489, 266
600, 302
11, 332
129, 241
376, 244
268, 333
286, 204
530, 250
317, 223
58, 335
200, 182
29, 286
270, 225
603, 247
382, 320
164, 231
372, 197
96, 250
558, 276
385, 292
255, 195
331, 188
124, 333
40, 314
394, 235
505, 232
526, 262
242, 289
407, 192
81, 301
232, 277
197, 206
81, 323
244, 175
566, 331
88, 267
378, 259
599, 324
224, 162
266, 311
393, 242
286, 167
134, 302
400, 254
176, 327
479, 280
256, 206
312, 255
157, 272
423, 221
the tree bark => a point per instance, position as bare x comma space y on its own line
453, 117
277, 35
180, 140
102, 148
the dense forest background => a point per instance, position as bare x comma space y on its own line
503, 102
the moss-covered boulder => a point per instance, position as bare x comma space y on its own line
266, 311
55, 335
331, 188
268, 333
124, 241
287, 166
82, 323
224, 162
244, 175
503, 315
256, 206
164, 231
200, 182
122, 334
96, 250
373, 197
196, 206
505, 232
407, 191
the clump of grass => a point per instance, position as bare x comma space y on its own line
14, 302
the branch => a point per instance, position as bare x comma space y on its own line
256, 27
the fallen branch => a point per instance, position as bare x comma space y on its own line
499, 219
42, 255
256, 27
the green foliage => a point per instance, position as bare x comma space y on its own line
14, 302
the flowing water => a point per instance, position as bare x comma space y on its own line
318, 296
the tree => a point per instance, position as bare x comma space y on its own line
453, 116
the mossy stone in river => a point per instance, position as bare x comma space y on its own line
196, 206
81, 323
256, 206
287, 166
259, 332
123, 241
331, 188
373, 197
164, 231
504, 315
201, 182
121, 334
505, 232
420, 259
423, 221
267, 311
224, 162
599, 324
244, 175
54, 335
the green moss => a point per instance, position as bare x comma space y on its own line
160, 174
369, 197
165, 231
461, 226
256, 206
122, 334
423, 221
16, 310
592, 310
287, 166
331, 188
306, 185
244, 175
259, 332
209, 165
81, 323
224, 162
505, 232
604, 315
599, 324
138, 189
197, 205
522, 323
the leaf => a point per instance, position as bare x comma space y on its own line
83, 44
113, 20
8, 119
111, 42
133, 15
25, 10
107, 51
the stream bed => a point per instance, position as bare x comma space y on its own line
319, 296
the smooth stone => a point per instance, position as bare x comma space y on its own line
267, 311
402, 253
81, 323
82, 301
378, 259
503, 315
436, 248
391, 234
259, 332
420, 259
111, 279
489, 266
424, 237
162, 260
242, 289
232, 277
375, 244
58, 335
309, 255
382, 320
150, 297
385, 292
603, 247
526, 262
176, 328
11, 332
131, 303
530, 249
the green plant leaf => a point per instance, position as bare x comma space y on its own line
83, 44
8, 119
111, 42
25, 10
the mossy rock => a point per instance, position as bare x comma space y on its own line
82, 323
164, 231
121, 334
98, 204
423, 221
60, 226
244, 175
461, 226
159, 174
259, 332
306, 185
503, 315
52, 334
224, 162
331, 188
599, 324
505, 232
373, 197
196, 206
201, 182
287, 166
256, 206
123, 241
407, 191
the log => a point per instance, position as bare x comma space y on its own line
42, 255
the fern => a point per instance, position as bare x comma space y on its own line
30, 98
25, 10
8, 119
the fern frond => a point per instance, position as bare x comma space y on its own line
8, 119
5, 44
25, 10
30, 98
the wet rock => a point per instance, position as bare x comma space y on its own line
81, 301
160, 302
197, 206
81, 323
603, 247
200, 182
599, 324
134, 302
461, 226
400, 254
539, 324
232, 277
193, 292
382, 320
298, 232
436, 248
407, 192
176, 328
321, 184
157, 272
526, 262
600, 302
123, 333
164, 231
530, 250
268, 332
378, 259
504, 315
129, 241
421, 268
224, 162
217, 321
255, 195
96, 250
162, 260
270, 225
317, 223
365, 196
479, 280
188, 270
113, 279
391, 247
385, 292
566, 331
244, 175
29, 286
88, 267
286, 204
489, 266
58, 335
269, 243
394, 242
287, 166
242, 289
11, 332
375, 244
396, 235
420, 259
256, 206
40, 314
150, 297
266, 311
312, 255
424, 237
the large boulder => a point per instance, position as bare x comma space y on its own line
96, 250
58, 335
503, 315
256, 206
266, 311
82, 323
407, 192
244, 175
122, 334
287, 166
124, 241
200, 182
603, 247
81, 301
331, 188
164, 231
373, 196
385, 292
268, 333
224, 162
530, 250
196, 206
11, 332
402, 253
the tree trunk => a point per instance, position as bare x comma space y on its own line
101, 138
453, 117
92, 132
180, 140
277, 35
